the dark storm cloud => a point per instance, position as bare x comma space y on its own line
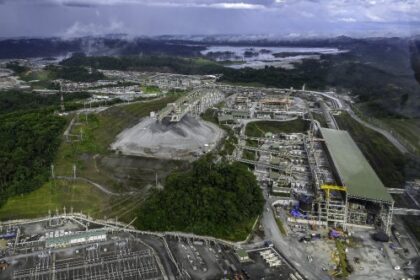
70, 18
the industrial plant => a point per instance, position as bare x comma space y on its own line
320, 173
325, 208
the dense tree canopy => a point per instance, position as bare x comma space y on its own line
29, 138
161, 63
18, 69
28, 142
12, 101
211, 199
75, 73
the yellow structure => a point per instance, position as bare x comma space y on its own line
328, 188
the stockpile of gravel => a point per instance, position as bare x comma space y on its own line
181, 140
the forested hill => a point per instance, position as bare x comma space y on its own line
53, 47
29, 138
209, 200
14, 101
28, 142
415, 58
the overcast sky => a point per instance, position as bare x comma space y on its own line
71, 18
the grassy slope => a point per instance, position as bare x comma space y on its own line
98, 133
258, 129
150, 89
43, 78
241, 232
321, 119
117, 118
52, 196
385, 159
231, 140
407, 128
280, 226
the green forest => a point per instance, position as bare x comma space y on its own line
12, 101
161, 63
208, 200
29, 139
75, 73
28, 143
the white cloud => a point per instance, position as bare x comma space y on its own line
360, 10
375, 17
238, 5
91, 29
288, 16
347, 19
218, 4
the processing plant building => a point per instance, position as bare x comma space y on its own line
357, 197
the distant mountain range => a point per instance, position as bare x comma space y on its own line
182, 45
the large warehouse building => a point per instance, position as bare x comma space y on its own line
358, 197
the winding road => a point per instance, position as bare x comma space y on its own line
343, 105
286, 247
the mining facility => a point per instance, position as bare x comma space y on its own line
318, 173
323, 200
346, 190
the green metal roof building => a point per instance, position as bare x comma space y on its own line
354, 171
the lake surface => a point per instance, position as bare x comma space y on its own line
259, 57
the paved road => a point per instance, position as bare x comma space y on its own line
288, 247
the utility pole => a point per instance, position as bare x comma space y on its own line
84, 107
74, 171
52, 171
62, 100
